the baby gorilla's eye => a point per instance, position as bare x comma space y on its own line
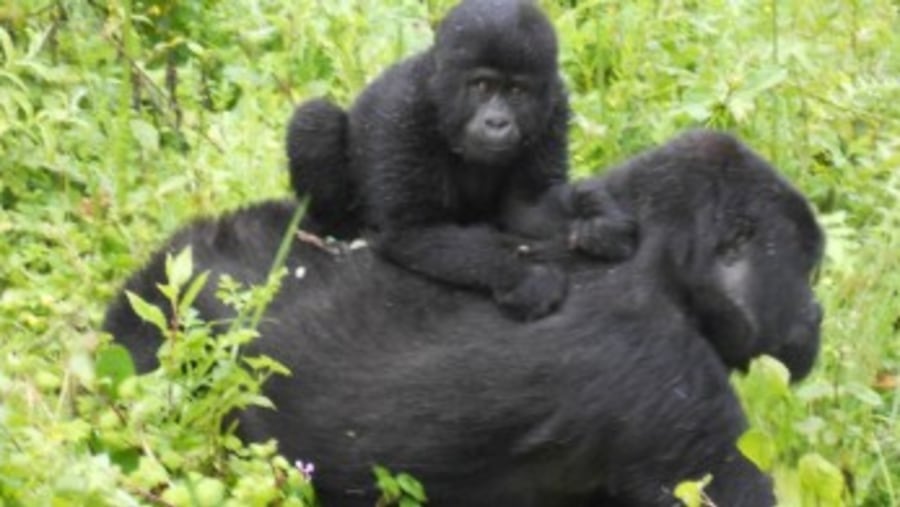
482, 85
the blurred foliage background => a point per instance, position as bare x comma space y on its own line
119, 121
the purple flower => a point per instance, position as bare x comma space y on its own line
306, 469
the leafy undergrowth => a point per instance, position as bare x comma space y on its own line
119, 121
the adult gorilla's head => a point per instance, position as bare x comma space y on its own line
740, 245
496, 84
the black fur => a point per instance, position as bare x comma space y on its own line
316, 145
437, 150
611, 401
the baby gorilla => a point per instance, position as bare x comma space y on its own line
441, 149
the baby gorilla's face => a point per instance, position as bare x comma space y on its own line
496, 82
492, 134
489, 114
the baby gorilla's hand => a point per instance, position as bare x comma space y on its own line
602, 229
538, 293
608, 239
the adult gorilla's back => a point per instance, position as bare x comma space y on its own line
611, 401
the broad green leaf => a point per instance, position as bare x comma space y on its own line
386, 482
411, 487
180, 267
758, 447
772, 373
691, 492
126, 459
267, 363
178, 494
821, 481
149, 473
114, 363
190, 294
409, 502
209, 491
147, 311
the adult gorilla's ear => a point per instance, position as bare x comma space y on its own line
713, 270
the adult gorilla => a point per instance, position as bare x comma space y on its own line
611, 401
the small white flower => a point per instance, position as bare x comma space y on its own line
300, 272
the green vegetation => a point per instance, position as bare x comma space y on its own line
121, 120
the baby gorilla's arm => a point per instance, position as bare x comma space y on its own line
582, 217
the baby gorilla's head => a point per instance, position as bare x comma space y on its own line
496, 81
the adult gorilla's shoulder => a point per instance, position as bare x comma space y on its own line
610, 401
241, 244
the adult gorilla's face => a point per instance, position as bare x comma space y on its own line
755, 246
788, 316
496, 81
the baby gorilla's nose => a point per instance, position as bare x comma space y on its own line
497, 131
